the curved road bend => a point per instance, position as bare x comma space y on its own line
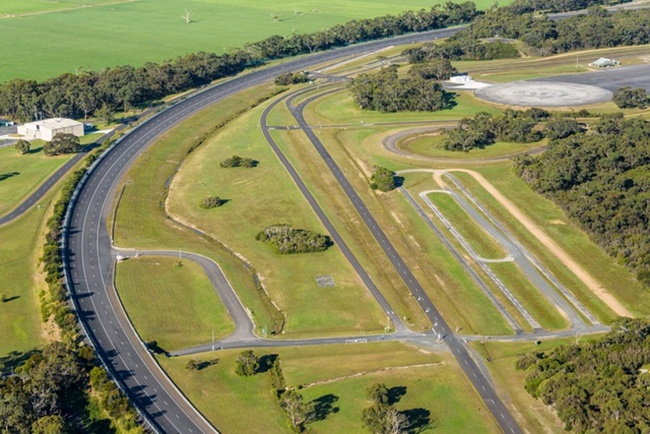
89, 259
467, 364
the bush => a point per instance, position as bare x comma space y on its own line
237, 161
23, 146
211, 202
382, 179
626, 97
291, 78
286, 240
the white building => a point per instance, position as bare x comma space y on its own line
48, 128
465, 78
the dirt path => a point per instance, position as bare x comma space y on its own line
551, 245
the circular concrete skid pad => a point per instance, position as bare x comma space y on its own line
544, 94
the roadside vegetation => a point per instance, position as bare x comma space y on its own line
287, 240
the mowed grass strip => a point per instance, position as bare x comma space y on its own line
173, 304
615, 278
21, 174
141, 31
483, 244
263, 196
439, 387
141, 220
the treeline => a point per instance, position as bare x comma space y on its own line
541, 35
596, 386
386, 92
524, 6
461, 49
125, 87
512, 126
602, 181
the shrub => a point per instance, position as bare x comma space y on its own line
211, 202
382, 179
286, 240
237, 161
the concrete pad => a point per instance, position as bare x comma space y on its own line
544, 94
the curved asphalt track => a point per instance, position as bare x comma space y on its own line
458, 350
89, 259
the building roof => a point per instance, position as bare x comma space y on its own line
604, 61
54, 123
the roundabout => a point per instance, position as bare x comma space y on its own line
543, 94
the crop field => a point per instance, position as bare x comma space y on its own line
428, 382
170, 302
138, 31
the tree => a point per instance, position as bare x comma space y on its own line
247, 364
187, 16
23, 146
49, 425
299, 411
62, 143
561, 127
382, 417
105, 113
382, 179
626, 97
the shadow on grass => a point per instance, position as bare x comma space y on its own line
15, 359
4, 176
419, 420
266, 362
8, 299
324, 406
395, 394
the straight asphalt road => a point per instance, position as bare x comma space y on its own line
458, 350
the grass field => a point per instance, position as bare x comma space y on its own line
615, 278
432, 145
259, 197
20, 174
439, 388
140, 31
174, 305
20, 325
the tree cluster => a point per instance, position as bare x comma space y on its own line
382, 417
382, 179
291, 78
211, 202
62, 143
436, 69
237, 161
286, 240
596, 386
601, 180
512, 126
100, 93
465, 48
386, 92
543, 36
626, 97
524, 6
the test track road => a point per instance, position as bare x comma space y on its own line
89, 259
458, 350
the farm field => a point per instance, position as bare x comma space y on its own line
430, 383
116, 32
173, 304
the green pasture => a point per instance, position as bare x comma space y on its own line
431, 144
259, 197
174, 304
135, 32
437, 387
141, 220
456, 295
20, 325
615, 278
